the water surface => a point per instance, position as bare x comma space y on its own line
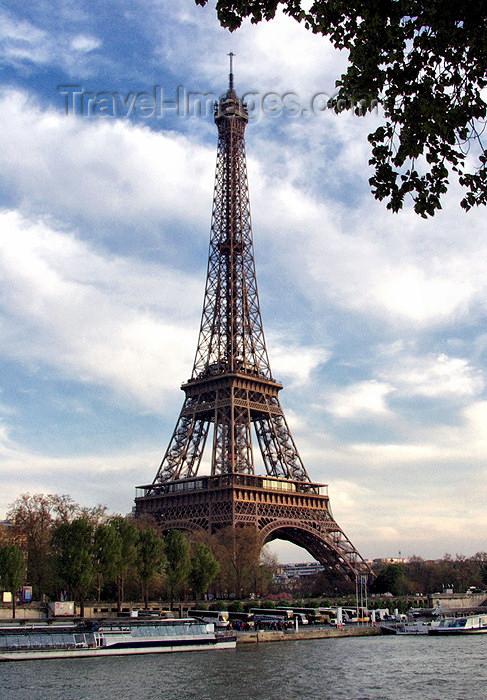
361, 668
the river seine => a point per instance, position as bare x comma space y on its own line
360, 668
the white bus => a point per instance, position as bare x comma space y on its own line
282, 613
220, 618
298, 615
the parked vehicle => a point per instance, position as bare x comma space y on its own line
220, 618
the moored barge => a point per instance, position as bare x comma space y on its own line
111, 638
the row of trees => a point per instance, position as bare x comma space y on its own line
84, 556
419, 576
56, 545
89, 554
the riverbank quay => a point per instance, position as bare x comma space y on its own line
316, 632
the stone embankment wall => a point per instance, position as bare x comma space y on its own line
308, 633
23, 612
449, 601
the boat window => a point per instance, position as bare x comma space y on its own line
36, 640
10, 641
68, 640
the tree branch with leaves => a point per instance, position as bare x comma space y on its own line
426, 63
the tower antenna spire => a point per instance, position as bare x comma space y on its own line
230, 80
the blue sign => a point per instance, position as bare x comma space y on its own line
27, 594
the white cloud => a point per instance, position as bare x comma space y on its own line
25, 45
104, 170
84, 43
108, 475
362, 399
293, 57
408, 274
22, 41
95, 317
433, 376
415, 295
295, 363
438, 457
419, 498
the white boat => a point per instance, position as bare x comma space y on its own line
470, 624
405, 627
413, 628
110, 638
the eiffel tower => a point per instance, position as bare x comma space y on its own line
232, 391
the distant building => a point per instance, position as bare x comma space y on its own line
286, 573
390, 560
308, 568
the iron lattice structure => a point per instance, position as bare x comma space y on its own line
232, 391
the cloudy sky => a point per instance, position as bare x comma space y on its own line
375, 323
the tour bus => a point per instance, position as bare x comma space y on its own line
241, 620
328, 615
282, 613
349, 614
242, 616
313, 615
355, 615
270, 616
298, 615
220, 618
